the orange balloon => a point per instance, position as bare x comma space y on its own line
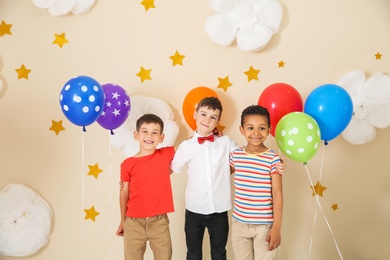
192, 100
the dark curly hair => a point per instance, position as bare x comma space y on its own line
255, 110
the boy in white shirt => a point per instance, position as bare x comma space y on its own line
208, 192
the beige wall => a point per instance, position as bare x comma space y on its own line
318, 40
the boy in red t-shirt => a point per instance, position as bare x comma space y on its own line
146, 196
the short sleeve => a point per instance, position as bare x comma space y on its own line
125, 176
275, 160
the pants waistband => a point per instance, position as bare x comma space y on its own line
151, 218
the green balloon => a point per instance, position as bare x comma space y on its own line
298, 136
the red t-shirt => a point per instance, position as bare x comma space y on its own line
150, 191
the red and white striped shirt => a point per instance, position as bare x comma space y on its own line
253, 185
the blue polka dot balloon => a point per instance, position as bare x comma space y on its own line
82, 100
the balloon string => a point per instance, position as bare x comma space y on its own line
82, 193
322, 161
323, 214
315, 213
280, 247
110, 200
312, 233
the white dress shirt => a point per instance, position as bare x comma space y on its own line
208, 187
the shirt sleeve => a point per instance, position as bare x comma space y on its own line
232, 145
231, 162
179, 159
275, 160
169, 152
125, 176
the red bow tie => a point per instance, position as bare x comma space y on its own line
210, 138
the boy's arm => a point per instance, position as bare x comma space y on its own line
178, 160
274, 235
123, 198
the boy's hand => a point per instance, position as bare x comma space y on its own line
121, 231
217, 132
273, 239
280, 167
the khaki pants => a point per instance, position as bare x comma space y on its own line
153, 229
249, 241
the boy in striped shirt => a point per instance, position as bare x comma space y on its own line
258, 198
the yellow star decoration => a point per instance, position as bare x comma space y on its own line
94, 170
335, 207
60, 39
144, 74
23, 72
148, 4
177, 59
378, 56
318, 189
56, 126
252, 73
224, 83
5, 28
91, 213
281, 64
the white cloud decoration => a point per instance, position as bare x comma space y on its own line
252, 23
371, 105
63, 7
123, 137
25, 221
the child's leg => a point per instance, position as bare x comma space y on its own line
218, 228
157, 229
259, 242
242, 241
194, 229
134, 239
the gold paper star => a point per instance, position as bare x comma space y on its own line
56, 126
318, 189
91, 213
177, 59
281, 64
252, 73
5, 28
144, 74
23, 72
60, 39
148, 4
378, 56
94, 170
224, 83
335, 207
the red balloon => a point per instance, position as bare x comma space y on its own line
280, 99
191, 102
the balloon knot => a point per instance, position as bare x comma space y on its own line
84, 130
112, 132
326, 142
305, 163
